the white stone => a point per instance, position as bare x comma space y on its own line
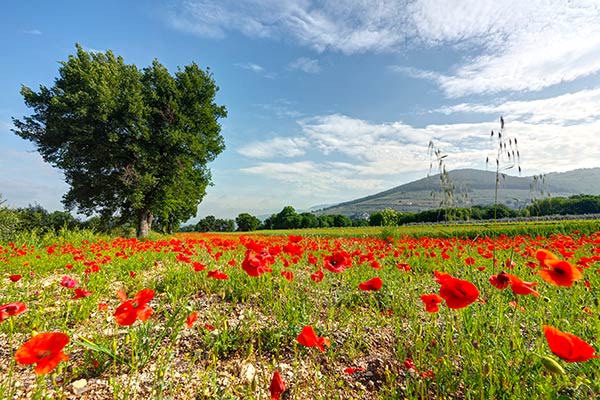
248, 372
80, 387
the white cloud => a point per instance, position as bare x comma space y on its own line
250, 66
326, 181
350, 27
363, 157
276, 147
280, 108
305, 64
35, 32
505, 45
524, 46
565, 109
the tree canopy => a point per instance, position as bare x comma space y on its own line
132, 143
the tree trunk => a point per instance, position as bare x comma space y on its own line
144, 223
170, 228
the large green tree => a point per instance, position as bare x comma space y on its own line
132, 143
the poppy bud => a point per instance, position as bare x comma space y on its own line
551, 365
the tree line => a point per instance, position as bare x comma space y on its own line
36, 218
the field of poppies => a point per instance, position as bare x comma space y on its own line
301, 316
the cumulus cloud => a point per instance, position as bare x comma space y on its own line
364, 157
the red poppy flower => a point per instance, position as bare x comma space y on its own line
193, 317
198, 266
216, 274
441, 277
521, 287
353, 370
500, 281
209, 327
257, 263
137, 308
68, 282
277, 386
309, 338
11, 309
458, 293
569, 347
15, 278
79, 293
289, 275
45, 350
557, 272
371, 284
409, 364
338, 262
431, 302
317, 276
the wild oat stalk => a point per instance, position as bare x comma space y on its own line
449, 202
507, 157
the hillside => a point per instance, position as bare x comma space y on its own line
473, 187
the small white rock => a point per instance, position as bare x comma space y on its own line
248, 372
80, 387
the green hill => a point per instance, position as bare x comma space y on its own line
473, 187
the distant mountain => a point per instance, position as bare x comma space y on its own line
473, 187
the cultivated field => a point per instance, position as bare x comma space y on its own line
207, 316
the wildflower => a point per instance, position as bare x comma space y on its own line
351, 371
216, 274
569, 347
521, 287
431, 302
198, 266
500, 281
371, 284
458, 293
68, 282
277, 386
557, 272
441, 277
193, 317
317, 276
309, 338
11, 309
79, 293
45, 350
257, 263
338, 262
137, 308
409, 364
209, 327
289, 275
15, 278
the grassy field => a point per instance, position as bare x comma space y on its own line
383, 343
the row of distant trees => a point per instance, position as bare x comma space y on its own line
36, 218
287, 218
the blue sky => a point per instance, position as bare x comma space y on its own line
329, 101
